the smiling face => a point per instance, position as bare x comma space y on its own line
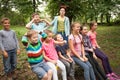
6, 24
76, 28
59, 37
84, 30
36, 18
34, 38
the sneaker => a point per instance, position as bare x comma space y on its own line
115, 75
110, 77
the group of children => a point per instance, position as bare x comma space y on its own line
46, 54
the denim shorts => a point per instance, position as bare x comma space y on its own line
40, 69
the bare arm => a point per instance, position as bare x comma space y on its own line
48, 59
73, 50
47, 22
58, 42
61, 56
28, 25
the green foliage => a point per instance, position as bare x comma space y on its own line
86, 10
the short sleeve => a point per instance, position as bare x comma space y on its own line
71, 37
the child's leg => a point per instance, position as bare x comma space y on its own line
13, 59
92, 75
48, 70
98, 67
104, 59
69, 67
62, 67
39, 71
6, 63
84, 66
96, 71
53, 67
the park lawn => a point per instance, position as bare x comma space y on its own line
108, 39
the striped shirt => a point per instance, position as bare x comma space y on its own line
34, 52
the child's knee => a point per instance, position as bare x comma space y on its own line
50, 72
45, 77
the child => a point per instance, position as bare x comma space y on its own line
37, 24
35, 55
77, 51
105, 62
62, 50
10, 48
91, 55
51, 56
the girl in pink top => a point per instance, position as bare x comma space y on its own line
78, 53
50, 55
105, 62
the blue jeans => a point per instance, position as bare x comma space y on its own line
88, 70
40, 69
10, 62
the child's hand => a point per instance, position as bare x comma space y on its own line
94, 56
5, 54
85, 58
65, 41
54, 62
91, 50
18, 51
82, 59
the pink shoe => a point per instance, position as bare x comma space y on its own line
115, 75
110, 77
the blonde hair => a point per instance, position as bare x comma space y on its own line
73, 25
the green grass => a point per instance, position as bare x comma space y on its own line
108, 38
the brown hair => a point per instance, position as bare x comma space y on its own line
30, 33
55, 37
73, 25
34, 14
3, 19
48, 31
92, 24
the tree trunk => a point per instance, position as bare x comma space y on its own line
108, 18
34, 5
96, 19
101, 18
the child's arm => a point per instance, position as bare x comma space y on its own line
83, 52
97, 44
61, 56
58, 42
73, 50
25, 41
28, 25
18, 48
47, 22
48, 59
4, 53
